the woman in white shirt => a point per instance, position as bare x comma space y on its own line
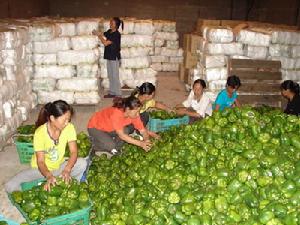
197, 105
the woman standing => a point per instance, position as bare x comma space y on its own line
290, 90
111, 39
54, 132
227, 98
198, 104
109, 127
145, 93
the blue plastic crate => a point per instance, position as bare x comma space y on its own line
10, 222
157, 125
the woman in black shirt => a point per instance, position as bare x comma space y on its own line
111, 39
290, 90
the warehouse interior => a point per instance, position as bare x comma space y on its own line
264, 55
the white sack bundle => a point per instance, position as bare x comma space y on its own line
125, 74
66, 28
144, 73
4, 133
217, 85
171, 52
212, 95
86, 26
77, 84
295, 51
223, 49
160, 59
172, 44
136, 41
8, 90
128, 26
170, 67
53, 46
105, 83
277, 50
84, 42
76, 57
256, 52
166, 36
218, 35
214, 74
156, 66
143, 27
103, 72
29, 47
254, 38
169, 26
286, 37
43, 84
291, 75
135, 63
159, 42
44, 59
8, 109
13, 56
211, 61
139, 82
87, 70
85, 98
45, 97
14, 122
24, 107
135, 52
176, 59
158, 25
286, 63
43, 31
54, 71
11, 38
29, 61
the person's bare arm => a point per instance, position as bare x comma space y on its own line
217, 108
237, 103
66, 173
162, 106
51, 180
145, 134
146, 145
102, 39
184, 111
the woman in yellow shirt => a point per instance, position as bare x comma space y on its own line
54, 132
145, 93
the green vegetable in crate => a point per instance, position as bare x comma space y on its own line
83, 144
26, 129
240, 166
39, 204
163, 115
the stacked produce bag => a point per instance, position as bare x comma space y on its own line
167, 55
65, 58
16, 97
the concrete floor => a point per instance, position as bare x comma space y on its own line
169, 91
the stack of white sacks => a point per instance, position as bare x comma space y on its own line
219, 44
65, 58
16, 97
167, 56
136, 47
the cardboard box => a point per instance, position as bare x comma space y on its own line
231, 23
191, 42
181, 72
190, 60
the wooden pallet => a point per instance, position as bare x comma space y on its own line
260, 81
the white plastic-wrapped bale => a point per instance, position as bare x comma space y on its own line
53, 46
14, 122
214, 74
156, 66
171, 52
54, 71
166, 36
126, 74
87, 97
45, 97
77, 84
169, 26
128, 26
135, 63
13, 56
87, 70
277, 50
291, 75
8, 90
158, 25
84, 42
24, 107
172, 44
139, 82
143, 27
286, 37
161, 59
176, 59
44, 59
43, 84
144, 73
12, 37
256, 52
295, 51
217, 85
40, 31
86, 26
254, 38
211, 61
77, 57
136, 41
105, 83
159, 42
218, 35
8, 109
170, 67
135, 52
223, 49
286, 63
66, 28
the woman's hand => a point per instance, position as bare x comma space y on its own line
51, 181
146, 145
66, 176
97, 33
153, 134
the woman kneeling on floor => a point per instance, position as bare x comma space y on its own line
109, 127
198, 104
54, 132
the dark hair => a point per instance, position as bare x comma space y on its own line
130, 102
290, 85
56, 109
145, 89
118, 22
201, 82
233, 81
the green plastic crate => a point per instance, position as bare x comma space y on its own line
80, 217
157, 125
24, 149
